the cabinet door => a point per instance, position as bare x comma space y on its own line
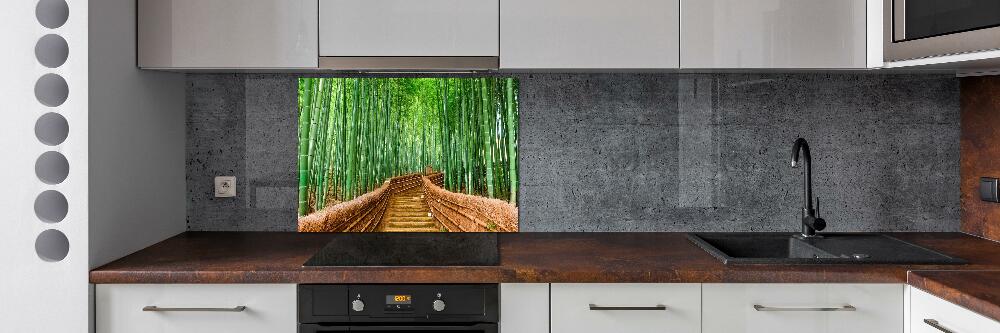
408, 28
626, 307
524, 308
581, 34
268, 308
930, 314
773, 34
802, 308
227, 33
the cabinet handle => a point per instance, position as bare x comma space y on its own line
657, 307
154, 308
935, 324
759, 307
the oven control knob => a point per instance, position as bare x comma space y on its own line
438, 305
358, 305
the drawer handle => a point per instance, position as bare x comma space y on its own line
935, 324
154, 308
657, 307
759, 307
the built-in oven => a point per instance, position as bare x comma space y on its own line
385, 308
928, 28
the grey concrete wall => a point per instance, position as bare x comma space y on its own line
640, 152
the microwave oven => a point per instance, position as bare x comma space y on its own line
915, 29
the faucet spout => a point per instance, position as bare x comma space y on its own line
810, 222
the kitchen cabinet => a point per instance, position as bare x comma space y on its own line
203, 308
524, 307
192, 34
802, 308
779, 34
589, 34
406, 28
930, 314
625, 307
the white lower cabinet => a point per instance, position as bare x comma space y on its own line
802, 308
930, 314
569, 308
524, 307
190, 308
625, 307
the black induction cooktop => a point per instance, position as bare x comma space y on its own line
408, 249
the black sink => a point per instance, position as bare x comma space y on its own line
835, 248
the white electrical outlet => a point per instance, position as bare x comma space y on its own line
225, 187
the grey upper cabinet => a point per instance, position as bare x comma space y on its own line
589, 34
776, 34
193, 34
409, 33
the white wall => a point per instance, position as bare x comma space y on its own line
38, 295
137, 191
125, 182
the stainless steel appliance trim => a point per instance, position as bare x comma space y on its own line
957, 43
848, 307
935, 324
410, 63
658, 307
898, 20
154, 308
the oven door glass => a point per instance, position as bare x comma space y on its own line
929, 18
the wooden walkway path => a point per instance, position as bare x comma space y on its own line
408, 212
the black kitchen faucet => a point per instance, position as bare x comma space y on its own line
810, 221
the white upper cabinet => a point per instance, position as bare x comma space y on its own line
589, 34
227, 34
409, 28
778, 33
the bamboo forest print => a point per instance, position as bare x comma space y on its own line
408, 154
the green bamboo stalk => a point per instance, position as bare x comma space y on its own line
328, 99
512, 139
303, 160
487, 109
348, 143
339, 153
317, 160
346, 100
385, 129
464, 137
449, 168
313, 129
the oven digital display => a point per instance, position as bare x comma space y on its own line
398, 299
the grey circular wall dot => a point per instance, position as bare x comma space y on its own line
51, 206
51, 90
52, 245
52, 167
51, 129
52, 13
51, 51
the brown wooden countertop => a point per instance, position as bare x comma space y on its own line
978, 291
274, 257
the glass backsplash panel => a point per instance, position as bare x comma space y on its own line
407, 154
